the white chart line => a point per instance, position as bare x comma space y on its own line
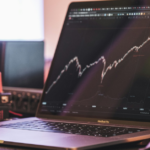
102, 58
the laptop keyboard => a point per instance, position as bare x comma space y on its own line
72, 128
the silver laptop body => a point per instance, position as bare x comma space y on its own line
99, 77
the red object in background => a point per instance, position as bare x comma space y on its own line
1, 89
1, 115
16, 114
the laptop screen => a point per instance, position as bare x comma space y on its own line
101, 67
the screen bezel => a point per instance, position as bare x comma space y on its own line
112, 3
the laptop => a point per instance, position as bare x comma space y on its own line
98, 89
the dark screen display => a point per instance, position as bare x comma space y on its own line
24, 64
102, 63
